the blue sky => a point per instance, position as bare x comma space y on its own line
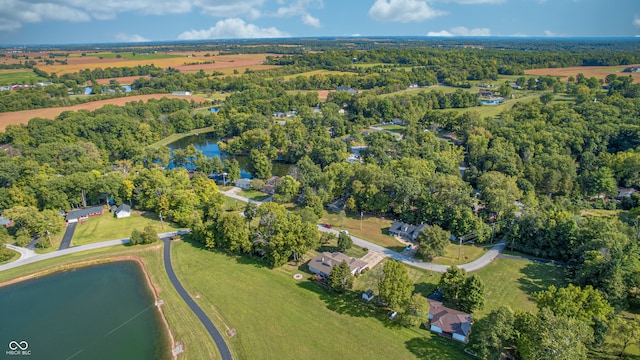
99, 21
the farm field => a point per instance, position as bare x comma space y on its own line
22, 117
322, 94
175, 60
277, 317
599, 72
18, 76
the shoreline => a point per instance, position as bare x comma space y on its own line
82, 264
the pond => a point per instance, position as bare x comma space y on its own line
98, 312
209, 147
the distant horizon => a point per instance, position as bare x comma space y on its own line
41, 22
363, 37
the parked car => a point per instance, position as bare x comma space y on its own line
393, 315
344, 232
408, 247
328, 226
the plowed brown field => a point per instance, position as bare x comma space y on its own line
22, 117
599, 72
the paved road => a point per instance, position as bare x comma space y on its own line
68, 235
477, 264
225, 353
33, 257
233, 193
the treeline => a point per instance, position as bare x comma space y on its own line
83, 76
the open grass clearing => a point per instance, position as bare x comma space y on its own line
107, 227
14, 256
12, 77
374, 229
454, 254
175, 137
184, 325
277, 317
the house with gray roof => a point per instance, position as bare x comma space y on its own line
325, 261
406, 231
83, 214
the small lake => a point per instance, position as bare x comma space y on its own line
209, 147
98, 312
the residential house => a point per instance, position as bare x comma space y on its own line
244, 184
273, 180
123, 211
4, 222
269, 189
325, 261
448, 322
407, 231
181, 93
367, 295
492, 101
347, 89
83, 214
626, 192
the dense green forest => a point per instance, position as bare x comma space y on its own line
535, 174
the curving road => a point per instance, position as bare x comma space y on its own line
225, 353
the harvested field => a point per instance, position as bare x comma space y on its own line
322, 94
599, 72
125, 80
22, 117
91, 62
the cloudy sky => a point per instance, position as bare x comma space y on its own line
98, 21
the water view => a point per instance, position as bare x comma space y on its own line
209, 147
98, 312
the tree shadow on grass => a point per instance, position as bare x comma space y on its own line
425, 289
348, 303
435, 347
538, 277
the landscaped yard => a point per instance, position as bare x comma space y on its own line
277, 317
468, 253
107, 227
374, 229
253, 195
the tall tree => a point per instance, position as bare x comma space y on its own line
396, 287
472, 294
340, 278
415, 312
493, 334
452, 282
625, 331
344, 242
432, 241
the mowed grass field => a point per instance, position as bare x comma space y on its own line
599, 72
12, 77
277, 317
107, 227
23, 116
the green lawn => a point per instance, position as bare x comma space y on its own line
14, 256
107, 227
467, 254
277, 317
253, 195
374, 229
19, 77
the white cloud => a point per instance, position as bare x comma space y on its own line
130, 38
636, 21
15, 13
461, 31
473, 2
232, 28
310, 20
549, 33
403, 11
355, 35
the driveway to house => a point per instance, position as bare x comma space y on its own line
68, 235
477, 264
223, 348
233, 193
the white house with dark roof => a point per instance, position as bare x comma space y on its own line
449, 322
123, 211
325, 261
83, 214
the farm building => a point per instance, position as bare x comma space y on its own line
181, 93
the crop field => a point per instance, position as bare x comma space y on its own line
22, 117
599, 72
164, 60
18, 76
322, 94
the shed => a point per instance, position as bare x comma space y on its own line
244, 184
367, 295
123, 211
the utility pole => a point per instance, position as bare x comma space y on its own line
493, 225
460, 249
361, 214
161, 220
